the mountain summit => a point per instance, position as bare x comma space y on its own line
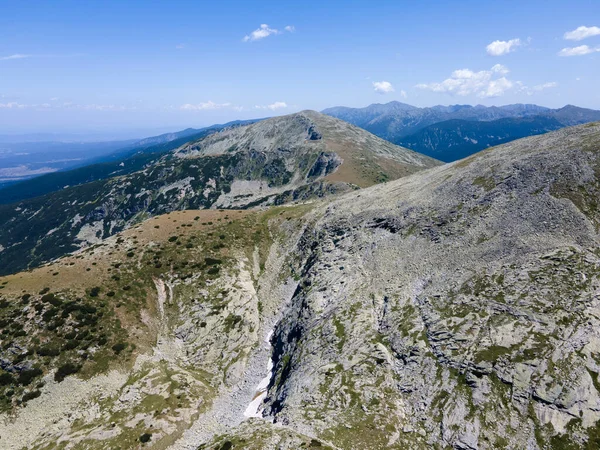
274, 161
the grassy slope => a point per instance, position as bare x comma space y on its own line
103, 315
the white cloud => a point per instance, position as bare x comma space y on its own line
383, 87
499, 68
264, 31
12, 105
496, 88
485, 83
581, 33
203, 106
523, 89
180, 46
498, 48
578, 51
403, 94
95, 107
541, 87
23, 56
261, 33
15, 56
90, 107
273, 106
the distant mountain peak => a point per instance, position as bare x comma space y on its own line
448, 132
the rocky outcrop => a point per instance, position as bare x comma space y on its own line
455, 307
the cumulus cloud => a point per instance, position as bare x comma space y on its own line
484, 84
581, 33
549, 85
578, 51
499, 68
273, 106
265, 31
498, 48
260, 33
403, 94
383, 87
15, 56
496, 88
204, 106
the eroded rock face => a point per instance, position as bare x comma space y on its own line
457, 307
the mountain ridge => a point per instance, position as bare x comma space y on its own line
120, 161
279, 160
400, 123
455, 139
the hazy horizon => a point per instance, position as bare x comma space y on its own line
115, 133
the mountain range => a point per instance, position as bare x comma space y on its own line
260, 288
446, 133
453, 132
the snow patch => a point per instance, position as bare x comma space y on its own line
254, 408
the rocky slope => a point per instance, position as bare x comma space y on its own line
274, 161
123, 161
458, 307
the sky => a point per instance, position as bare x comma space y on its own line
139, 67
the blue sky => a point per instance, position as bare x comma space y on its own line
137, 66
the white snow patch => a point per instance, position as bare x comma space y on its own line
254, 408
